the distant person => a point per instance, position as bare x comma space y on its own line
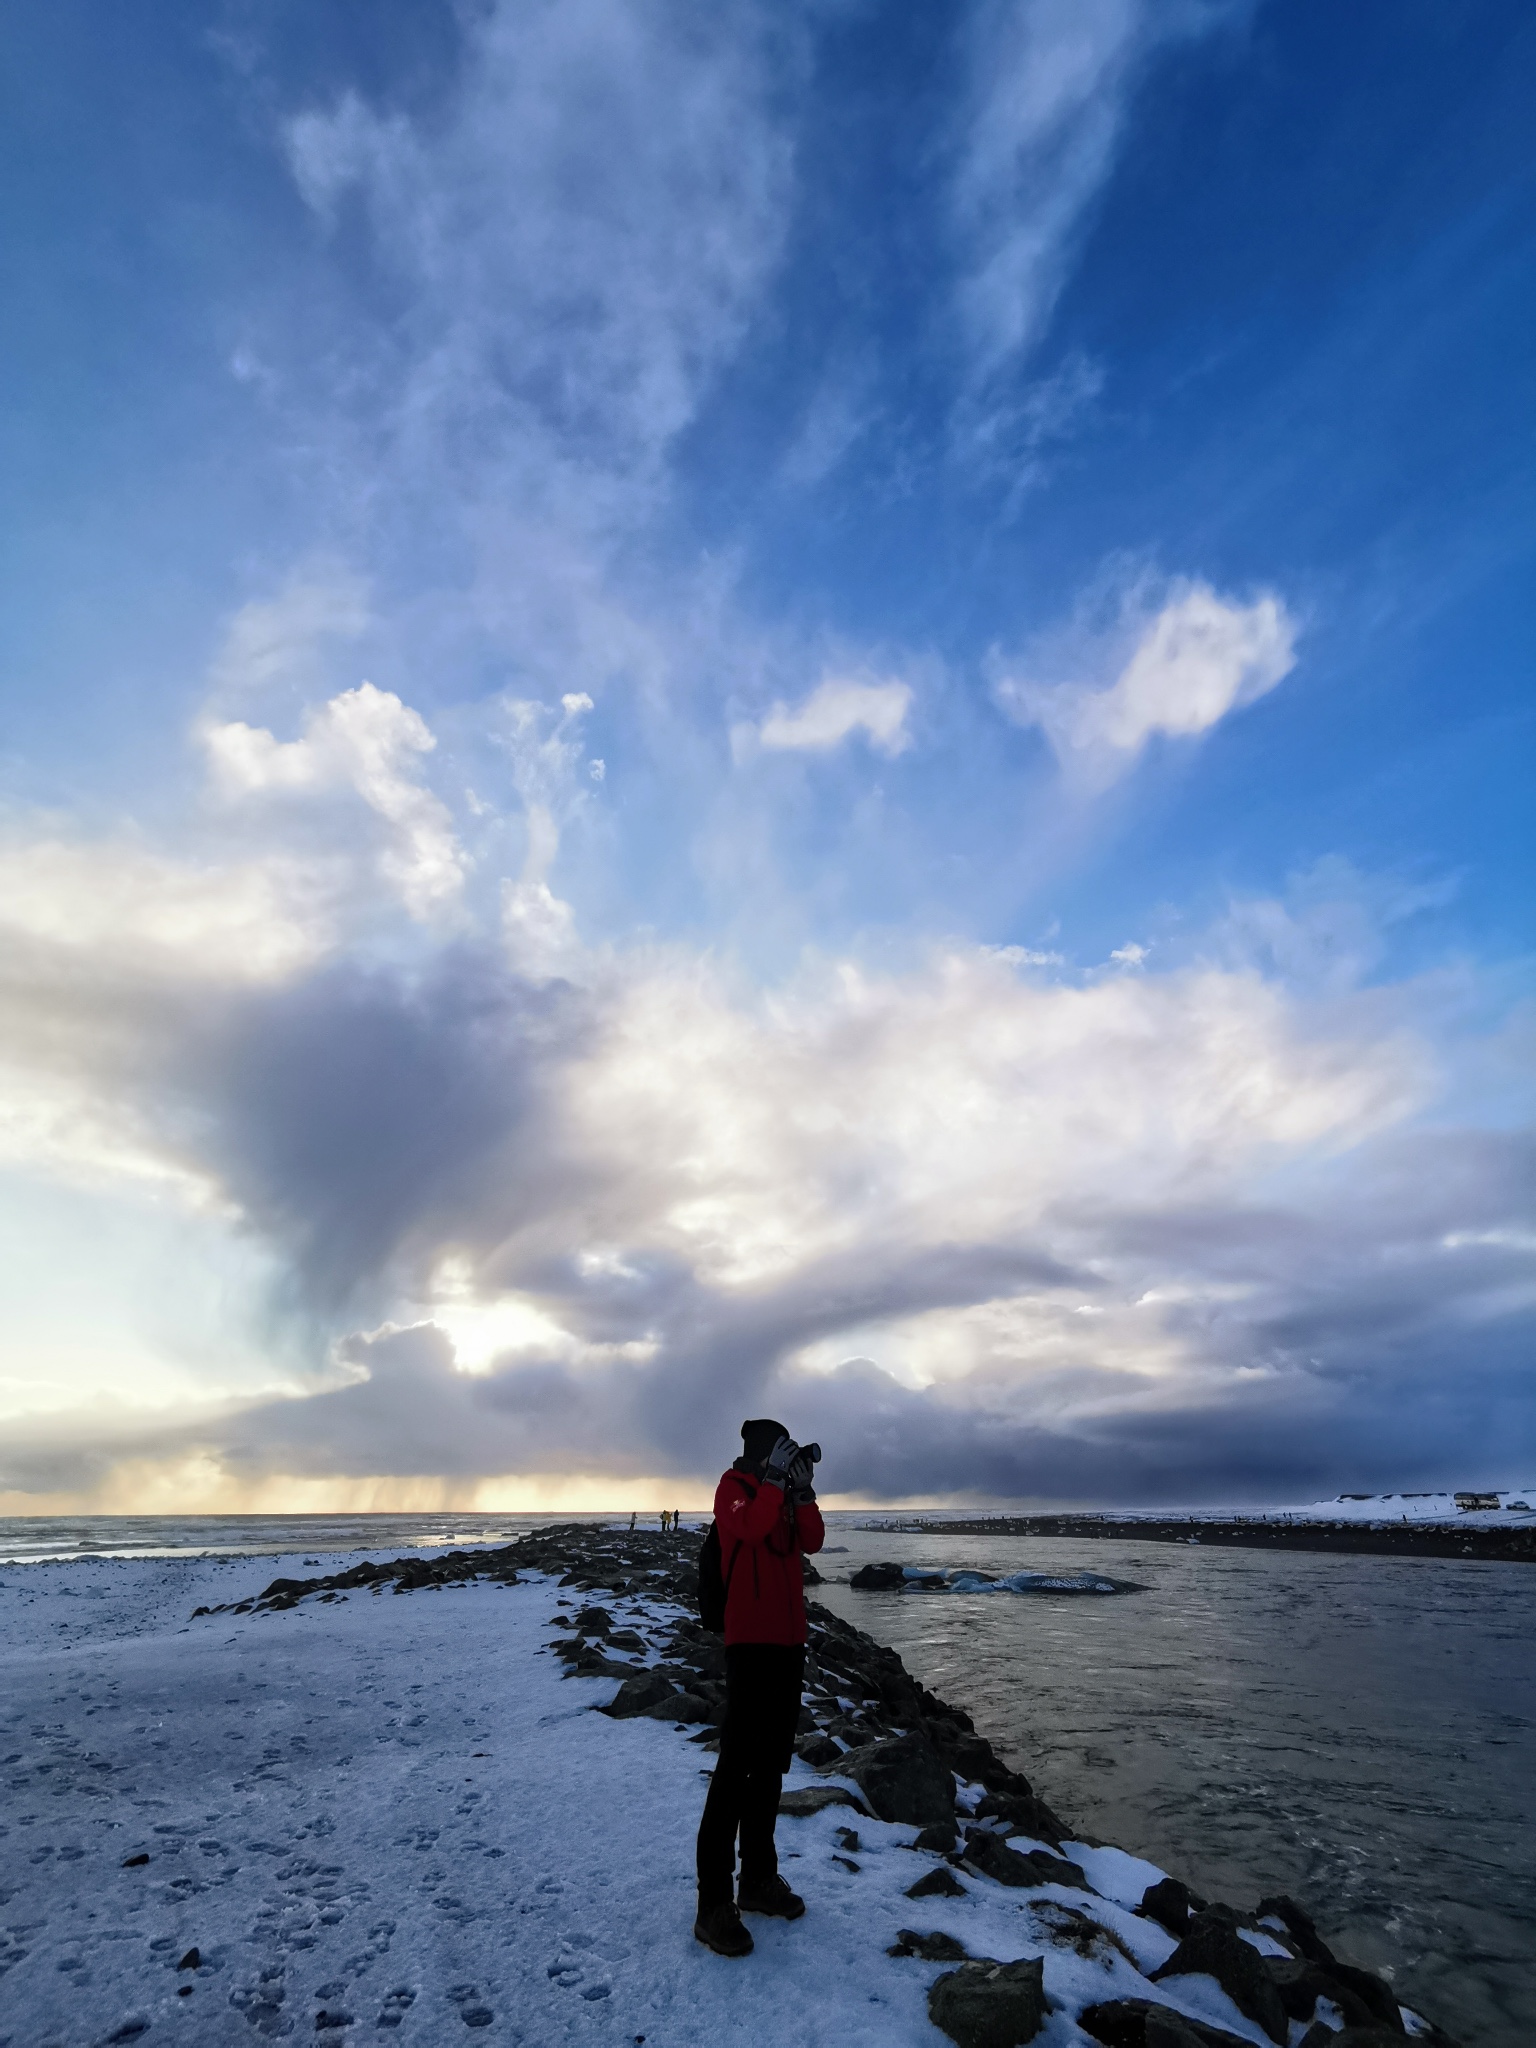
632, 1521
766, 1513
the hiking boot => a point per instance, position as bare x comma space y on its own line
720, 1928
770, 1895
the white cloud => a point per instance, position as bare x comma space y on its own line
1198, 658
108, 948
584, 293
1050, 83
572, 269
643, 1201
834, 711
113, 901
282, 639
368, 741
538, 927
956, 1105
1330, 929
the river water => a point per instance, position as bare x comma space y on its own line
1357, 1731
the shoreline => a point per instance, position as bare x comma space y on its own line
1356, 1538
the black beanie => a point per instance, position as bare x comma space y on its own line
758, 1439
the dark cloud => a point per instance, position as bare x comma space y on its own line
358, 1117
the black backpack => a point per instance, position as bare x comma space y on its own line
714, 1581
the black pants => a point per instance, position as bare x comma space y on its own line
762, 1708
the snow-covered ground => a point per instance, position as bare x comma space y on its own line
394, 1815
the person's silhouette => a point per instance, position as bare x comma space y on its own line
766, 1513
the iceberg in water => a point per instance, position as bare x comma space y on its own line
912, 1578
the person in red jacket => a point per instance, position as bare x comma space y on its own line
766, 1513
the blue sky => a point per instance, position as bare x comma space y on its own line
814, 706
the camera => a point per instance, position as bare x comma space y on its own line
811, 1451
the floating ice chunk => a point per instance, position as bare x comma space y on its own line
912, 1578
1047, 1582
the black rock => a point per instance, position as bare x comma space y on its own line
1371, 1991
806, 1799
1170, 1904
685, 1707
990, 2005
1301, 1984
1141, 2023
878, 1578
644, 1690
991, 1855
938, 1884
585, 1662
1024, 1811
903, 1779
1213, 1948
940, 1838
1297, 1923
930, 1948
972, 1756
192, 1960
817, 1751
1322, 2036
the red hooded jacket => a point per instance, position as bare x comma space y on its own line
763, 1535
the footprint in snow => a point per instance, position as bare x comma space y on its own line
467, 1998
262, 2003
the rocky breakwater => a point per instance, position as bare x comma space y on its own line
885, 1747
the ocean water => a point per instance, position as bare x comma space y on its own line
37, 1539
1357, 1731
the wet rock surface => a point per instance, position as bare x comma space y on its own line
891, 1748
